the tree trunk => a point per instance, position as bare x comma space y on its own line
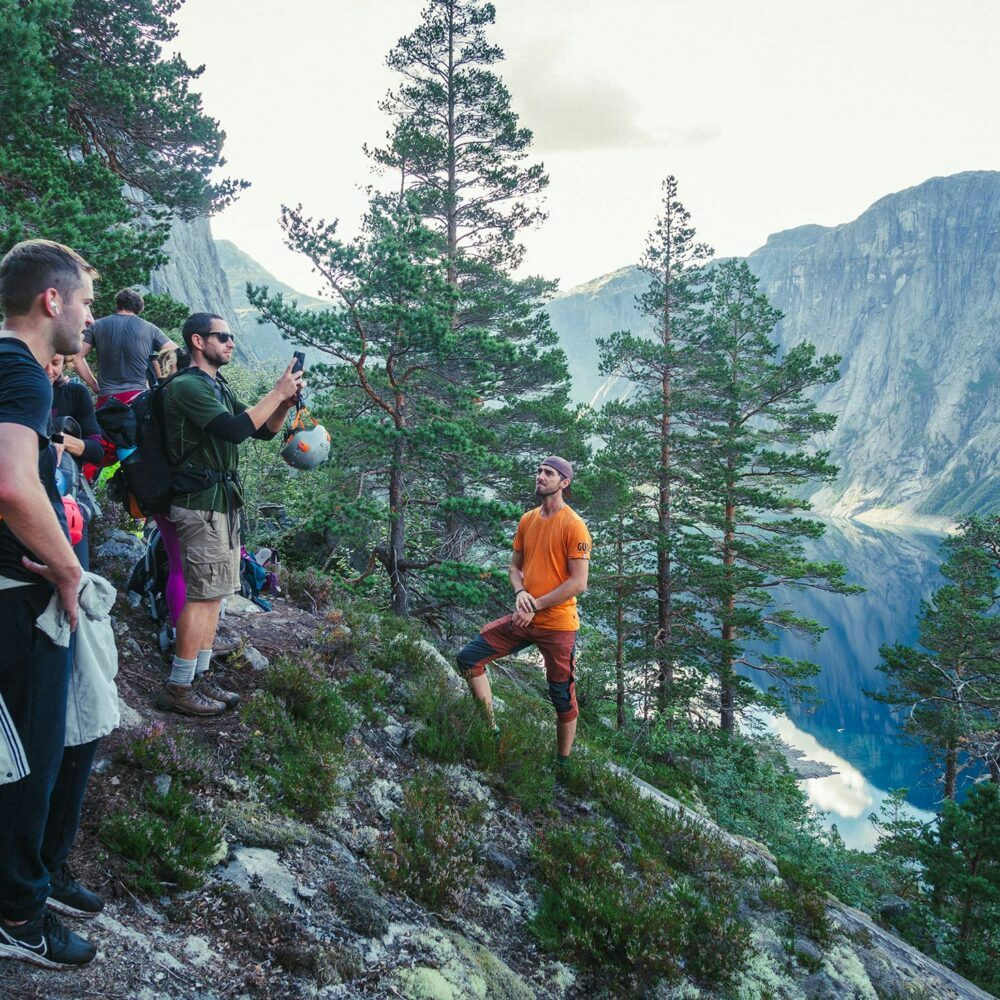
664, 583
397, 529
727, 711
950, 772
620, 627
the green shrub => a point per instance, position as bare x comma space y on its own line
170, 751
309, 696
608, 908
297, 727
295, 765
368, 691
167, 843
431, 852
802, 897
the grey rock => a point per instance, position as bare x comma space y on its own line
305, 892
357, 904
499, 859
121, 545
396, 734
892, 907
132, 599
130, 718
162, 783
255, 658
252, 863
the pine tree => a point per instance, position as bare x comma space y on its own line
961, 859
622, 521
401, 425
752, 470
949, 686
660, 371
102, 135
458, 148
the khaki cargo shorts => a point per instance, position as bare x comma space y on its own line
210, 552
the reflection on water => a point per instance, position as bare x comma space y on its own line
847, 798
899, 569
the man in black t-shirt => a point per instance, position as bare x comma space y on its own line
46, 291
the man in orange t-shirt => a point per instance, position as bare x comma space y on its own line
548, 568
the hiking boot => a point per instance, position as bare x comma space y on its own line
68, 897
44, 941
222, 646
206, 685
184, 699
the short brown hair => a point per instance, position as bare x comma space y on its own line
131, 300
34, 265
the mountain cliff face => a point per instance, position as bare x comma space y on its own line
907, 294
195, 277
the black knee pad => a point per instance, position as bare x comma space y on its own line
559, 695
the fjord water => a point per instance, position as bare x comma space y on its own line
858, 736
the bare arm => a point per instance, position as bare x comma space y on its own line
25, 507
83, 369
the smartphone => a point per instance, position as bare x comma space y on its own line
300, 361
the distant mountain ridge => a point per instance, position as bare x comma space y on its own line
908, 295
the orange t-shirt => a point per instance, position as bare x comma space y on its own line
547, 546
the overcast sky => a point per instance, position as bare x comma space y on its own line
772, 113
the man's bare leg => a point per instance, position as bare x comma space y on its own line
197, 623
482, 692
565, 734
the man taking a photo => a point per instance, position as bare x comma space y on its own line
205, 423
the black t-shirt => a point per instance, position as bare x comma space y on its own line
26, 399
72, 399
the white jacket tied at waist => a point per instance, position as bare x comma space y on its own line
92, 701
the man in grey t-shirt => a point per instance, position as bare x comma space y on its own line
124, 344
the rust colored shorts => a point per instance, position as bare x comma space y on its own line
558, 649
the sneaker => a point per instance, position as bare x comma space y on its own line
68, 897
184, 699
45, 942
207, 686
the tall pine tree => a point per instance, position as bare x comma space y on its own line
753, 467
661, 371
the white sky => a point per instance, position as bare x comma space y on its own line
771, 113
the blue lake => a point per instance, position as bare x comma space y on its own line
860, 737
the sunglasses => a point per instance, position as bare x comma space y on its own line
224, 338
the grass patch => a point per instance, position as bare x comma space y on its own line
430, 853
456, 730
166, 841
297, 727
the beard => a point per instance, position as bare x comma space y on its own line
66, 340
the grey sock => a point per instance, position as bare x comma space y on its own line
181, 671
203, 661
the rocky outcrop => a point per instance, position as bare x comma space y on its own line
907, 294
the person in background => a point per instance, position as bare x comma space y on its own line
124, 343
548, 569
46, 293
71, 399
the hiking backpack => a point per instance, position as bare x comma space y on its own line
144, 483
